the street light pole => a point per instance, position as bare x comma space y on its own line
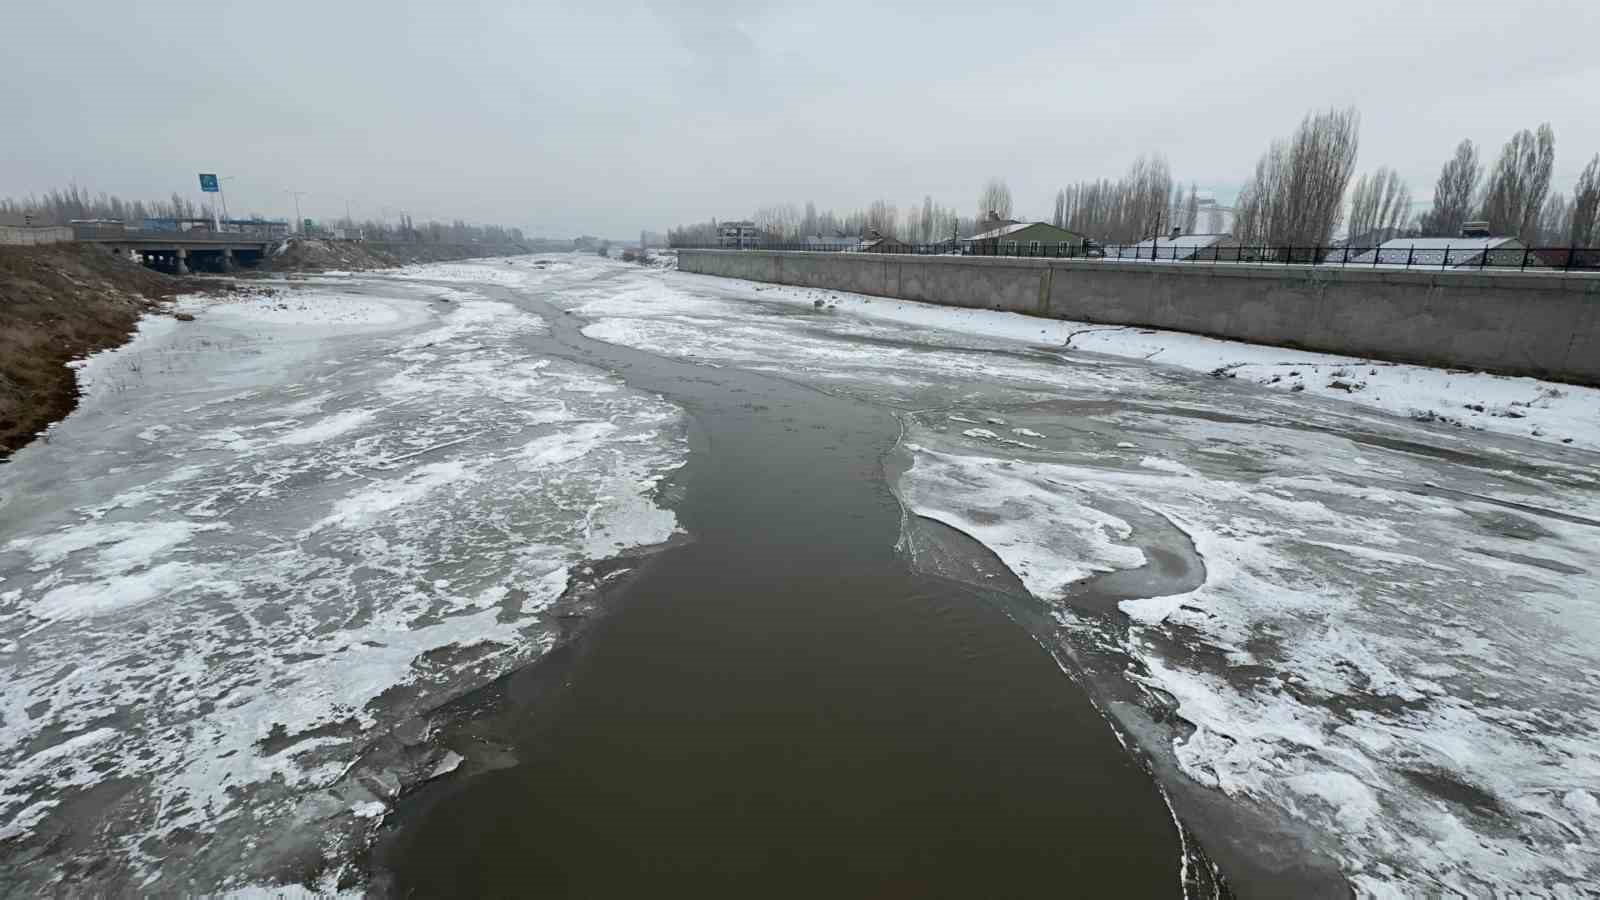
223, 195
299, 223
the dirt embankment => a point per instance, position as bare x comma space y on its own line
59, 303
62, 302
311, 255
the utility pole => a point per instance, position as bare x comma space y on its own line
299, 223
224, 196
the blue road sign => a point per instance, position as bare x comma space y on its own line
208, 183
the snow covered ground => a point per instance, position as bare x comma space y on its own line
265, 541
1394, 644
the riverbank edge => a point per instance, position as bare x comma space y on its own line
1229, 847
60, 303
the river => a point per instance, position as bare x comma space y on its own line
558, 575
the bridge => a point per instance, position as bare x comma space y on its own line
180, 250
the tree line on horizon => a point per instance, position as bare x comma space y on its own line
59, 207
1302, 190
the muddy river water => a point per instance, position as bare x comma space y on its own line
782, 706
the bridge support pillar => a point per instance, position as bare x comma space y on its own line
180, 261
227, 260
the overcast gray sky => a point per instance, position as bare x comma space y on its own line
608, 117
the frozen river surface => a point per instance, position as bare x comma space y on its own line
268, 541
269, 538
1377, 635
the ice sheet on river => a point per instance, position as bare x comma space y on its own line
1432, 713
1396, 643
265, 538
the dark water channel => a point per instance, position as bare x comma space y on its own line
782, 707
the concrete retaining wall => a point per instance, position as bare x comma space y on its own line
1542, 324
13, 235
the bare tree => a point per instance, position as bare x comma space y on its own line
883, 218
1059, 220
1584, 230
994, 198
1555, 221
1214, 219
1132, 207
780, 220
1296, 196
1379, 206
1519, 182
1191, 210
1453, 193
1253, 211
1149, 185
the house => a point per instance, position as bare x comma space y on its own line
1368, 240
738, 235
831, 242
1004, 237
1453, 253
882, 243
992, 220
1178, 246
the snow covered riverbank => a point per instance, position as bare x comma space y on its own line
268, 539
1524, 407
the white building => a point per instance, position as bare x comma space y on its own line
738, 235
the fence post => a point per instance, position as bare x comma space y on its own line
1483, 261
1525, 252
1411, 255
1446, 263
1572, 254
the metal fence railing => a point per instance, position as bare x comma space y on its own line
1431, 254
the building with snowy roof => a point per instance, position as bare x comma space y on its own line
836, 241
1177, 246
882, 243
1449, 253
1368, 240
1015, 238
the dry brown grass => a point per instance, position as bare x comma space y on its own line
313, 255
57, 304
